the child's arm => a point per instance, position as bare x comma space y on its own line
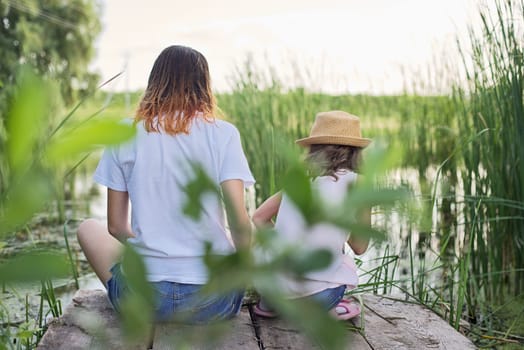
263, 216
360, 244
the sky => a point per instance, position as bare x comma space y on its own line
334, 46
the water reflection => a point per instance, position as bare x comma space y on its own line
420, 240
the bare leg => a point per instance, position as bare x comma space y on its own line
99, 247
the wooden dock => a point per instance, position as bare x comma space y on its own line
90, 323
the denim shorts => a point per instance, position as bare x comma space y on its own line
179, 301
328, 298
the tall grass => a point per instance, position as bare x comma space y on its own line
494, 164
269, 117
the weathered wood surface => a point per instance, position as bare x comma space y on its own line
277, 334
393, 324
239, 335
90, 323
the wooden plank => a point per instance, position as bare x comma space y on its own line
235, 334
88, 323
62, 336
393, 324
279, 334
91, 323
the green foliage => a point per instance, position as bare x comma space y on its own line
86, 138
26, 196
297, 185
200, 185
25, 120
28, 182
136, 305
54, 37
33, 155
493, 108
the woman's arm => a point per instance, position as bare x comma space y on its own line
239, 221
118, 215
264, 214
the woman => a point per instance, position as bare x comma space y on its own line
176, 132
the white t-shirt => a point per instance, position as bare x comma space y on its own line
154, 169
293, 231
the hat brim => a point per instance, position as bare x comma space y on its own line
334, 140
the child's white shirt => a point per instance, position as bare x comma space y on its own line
293, 231
154, 169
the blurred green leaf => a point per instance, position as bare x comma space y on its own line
300, 262
364, 231
135, 273
241, 257
26, 197
229, 272
25, 334
264, 237
311, 317
348, 215
378, 160
238, 270
34, 267
136, 318
195, 189
361, 198
198, 337
297, 186
25, 119
137, 305
87, 137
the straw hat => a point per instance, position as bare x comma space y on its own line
335, 128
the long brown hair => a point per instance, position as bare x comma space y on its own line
330, 159
178, 90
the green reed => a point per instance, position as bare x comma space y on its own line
493, 101
382, 278
269, 116
74, 267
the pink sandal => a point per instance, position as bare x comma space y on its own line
263, 313
346, 309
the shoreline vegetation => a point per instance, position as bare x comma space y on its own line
455, 246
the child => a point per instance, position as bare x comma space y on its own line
335, 146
